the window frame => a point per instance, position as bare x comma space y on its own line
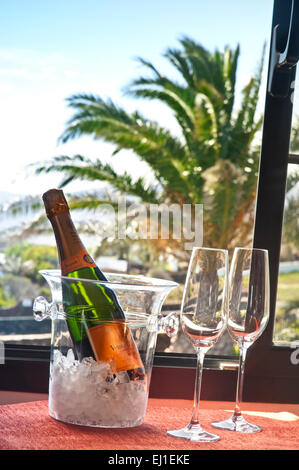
269, 374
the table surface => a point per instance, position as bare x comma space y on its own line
28, 426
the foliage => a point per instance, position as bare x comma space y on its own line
287, 313
6, 298
291, 213
15, 289
27, 259
20, 267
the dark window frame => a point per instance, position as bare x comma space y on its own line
269, 374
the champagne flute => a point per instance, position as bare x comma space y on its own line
247, 318
203, 319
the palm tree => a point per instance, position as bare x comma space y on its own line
214, 159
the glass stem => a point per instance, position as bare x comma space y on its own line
197, 387
239, 393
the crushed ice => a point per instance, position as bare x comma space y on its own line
88, 393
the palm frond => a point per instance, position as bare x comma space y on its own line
199, 59
224, 194
82, 168
179, 60
230, 63
178, 98
164, 153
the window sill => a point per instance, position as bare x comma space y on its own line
173, 376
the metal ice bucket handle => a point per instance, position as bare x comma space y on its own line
168, 324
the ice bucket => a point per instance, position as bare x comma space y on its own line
89, 391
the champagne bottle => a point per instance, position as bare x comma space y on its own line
95, 319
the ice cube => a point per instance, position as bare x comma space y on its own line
70, 357
89, 393
123, 376
87, 361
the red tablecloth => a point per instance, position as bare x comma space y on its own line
28, 426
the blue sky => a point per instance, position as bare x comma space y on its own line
51, 49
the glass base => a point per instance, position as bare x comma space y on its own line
237, 423
195, 433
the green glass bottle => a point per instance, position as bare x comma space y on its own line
95, 319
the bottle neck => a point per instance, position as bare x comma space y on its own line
71, 251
